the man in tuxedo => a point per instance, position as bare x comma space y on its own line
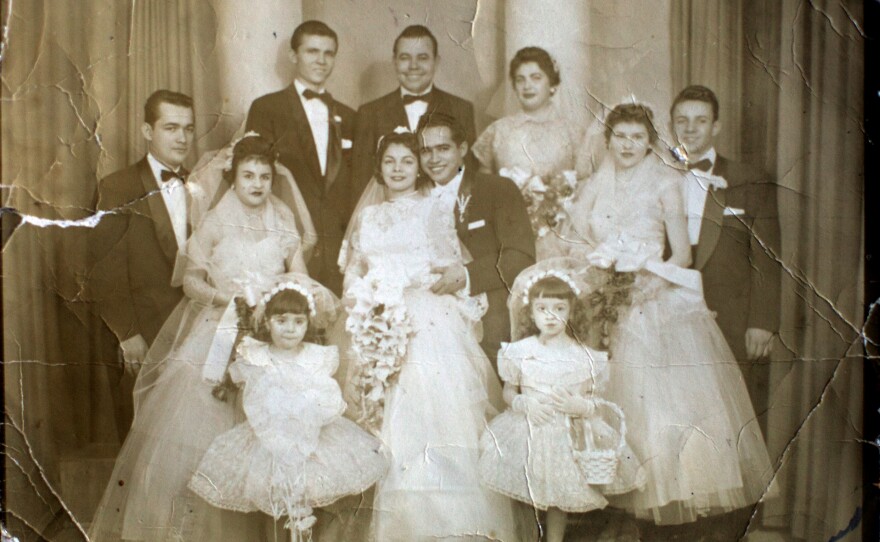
313, 135
415, 60
134, 248
734, 231
491, 221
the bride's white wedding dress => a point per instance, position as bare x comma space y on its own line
445, 391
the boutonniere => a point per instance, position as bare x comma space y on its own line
402, 130
337, 119
461, 203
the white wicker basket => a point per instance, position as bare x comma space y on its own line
599, 465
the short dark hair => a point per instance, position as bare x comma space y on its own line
636, 113
408, 140
415, 31
696, 93
441, 120
540, 57
256, 148
555, 288
312, 28
163, 96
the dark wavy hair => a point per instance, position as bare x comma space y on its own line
635, 113
696, 93
540, 57
256, 148
312, 28
578, 326
416, 31
285, 301
408, 140
164, 96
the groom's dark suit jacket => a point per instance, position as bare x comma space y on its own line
281, 118
738, 258
383, 115
496, 231
132, 252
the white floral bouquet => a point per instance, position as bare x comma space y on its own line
545, 198
380, 330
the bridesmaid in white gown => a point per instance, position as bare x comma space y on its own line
672, 372
538, 140
446, 389
249, 236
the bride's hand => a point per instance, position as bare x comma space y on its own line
452, 279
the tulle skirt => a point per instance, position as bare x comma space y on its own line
433, 419
687, 407
535, 464
238, 473
175, 422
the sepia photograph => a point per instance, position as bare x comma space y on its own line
436, 270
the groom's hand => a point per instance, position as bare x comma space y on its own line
134, 350
452, 279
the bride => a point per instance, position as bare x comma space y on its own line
431, 413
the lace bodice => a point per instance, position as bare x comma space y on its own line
401, 240
235, 257
537, 368
542, 147
628, 215
287, 402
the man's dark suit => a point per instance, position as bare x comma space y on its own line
133, 251
737, 256
382, 116
281, 118
496, 231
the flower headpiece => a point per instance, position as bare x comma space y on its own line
228, 165
545, 274
299, 288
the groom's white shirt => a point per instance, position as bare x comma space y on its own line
448, 196
318, 115
174, 195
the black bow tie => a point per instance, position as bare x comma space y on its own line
412, 98
325, 97
167, 175
703, 165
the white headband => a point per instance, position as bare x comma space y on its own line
310, 299
549, 273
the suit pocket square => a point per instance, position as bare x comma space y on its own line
346, 143
733, 211
477, 224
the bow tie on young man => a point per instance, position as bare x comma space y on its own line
168, 175
412, 98
703, 165
325, 97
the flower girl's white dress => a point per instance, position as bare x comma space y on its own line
295, 450
435, 412
535, 463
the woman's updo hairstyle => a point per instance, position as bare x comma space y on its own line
256, 148
408, 140
555, 288
285, 301
540, 57
635, 113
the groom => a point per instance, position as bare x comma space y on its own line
313, 135
734, 232
491, 221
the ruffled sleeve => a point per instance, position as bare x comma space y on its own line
250, 355
484, 147
510, 363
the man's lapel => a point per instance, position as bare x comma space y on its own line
396, 113
334, 146
710, 228
304, 132
158, 212
463, 207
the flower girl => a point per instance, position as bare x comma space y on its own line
295, 451
551, 449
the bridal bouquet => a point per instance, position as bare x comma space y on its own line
545, 197
612, 292
380, 330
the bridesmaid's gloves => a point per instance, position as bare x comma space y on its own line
572, 404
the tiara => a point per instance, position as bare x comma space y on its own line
299, 288
549, 273
397, 131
